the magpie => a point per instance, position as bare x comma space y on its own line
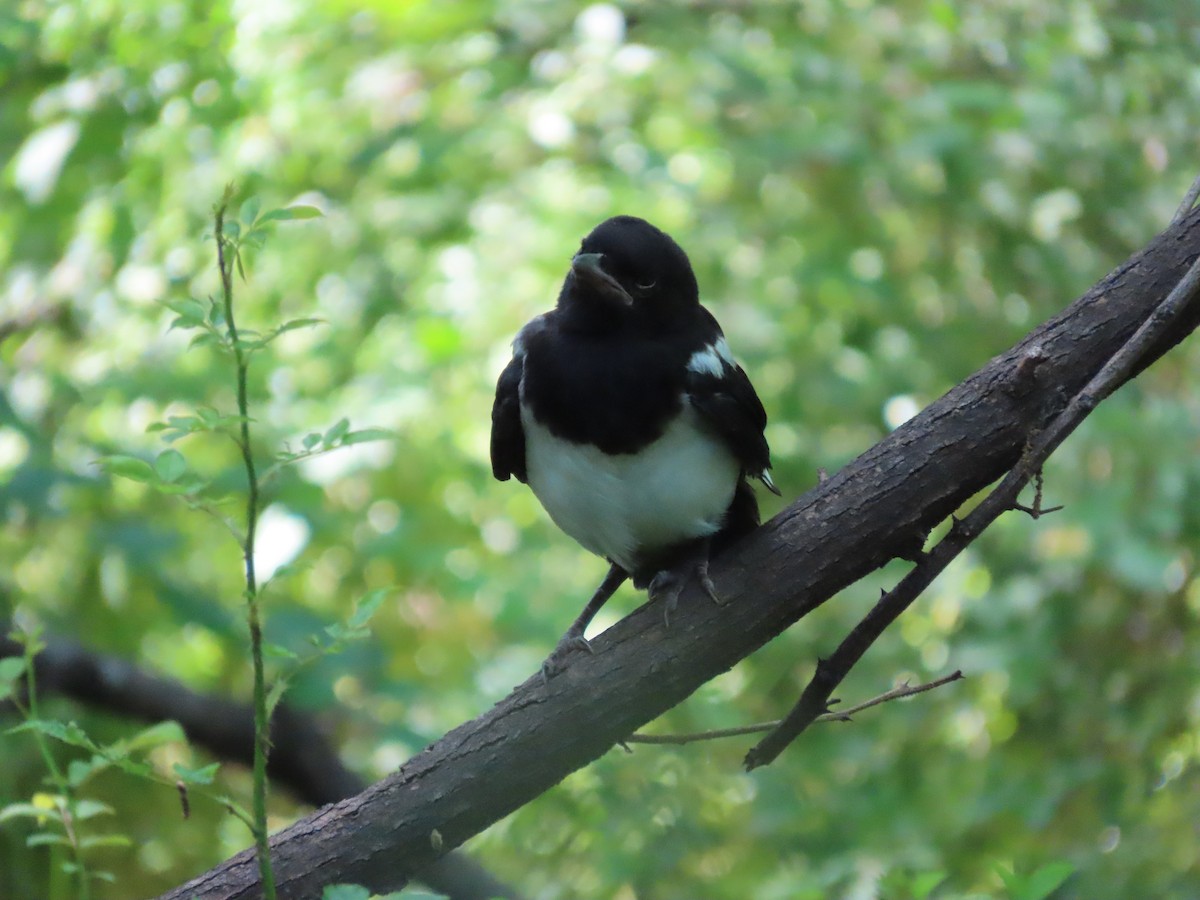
624, 411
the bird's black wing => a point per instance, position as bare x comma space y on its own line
508, 437
728, 402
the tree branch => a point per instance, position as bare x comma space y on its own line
303, 760
814, 700
842, 715
876, 508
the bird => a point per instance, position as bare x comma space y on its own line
623, 409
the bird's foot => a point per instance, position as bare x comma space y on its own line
571, 642
668, 584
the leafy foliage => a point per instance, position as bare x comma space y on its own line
877, 198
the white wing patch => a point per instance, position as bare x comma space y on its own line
711, 360
676, 489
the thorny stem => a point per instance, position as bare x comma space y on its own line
262, 723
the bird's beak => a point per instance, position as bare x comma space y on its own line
586, 267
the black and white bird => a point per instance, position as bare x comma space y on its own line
624, 411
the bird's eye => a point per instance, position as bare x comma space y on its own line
645, 287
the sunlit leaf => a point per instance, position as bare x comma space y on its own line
249, 210
336, 432
89, 809
292, 212
201, 775
126, 467
367, 434
170, 465
367, 607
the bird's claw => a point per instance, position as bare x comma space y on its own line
571, 642
668, 584
708, 584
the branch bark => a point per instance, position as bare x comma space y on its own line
303, 760
814, 701
880, 506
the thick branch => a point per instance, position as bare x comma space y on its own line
880, 506
303, 760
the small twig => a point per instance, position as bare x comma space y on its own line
896, 693
814, 700
1189, 201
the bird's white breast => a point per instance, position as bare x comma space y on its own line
675, 489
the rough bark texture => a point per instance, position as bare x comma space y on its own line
880, 506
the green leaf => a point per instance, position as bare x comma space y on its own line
203, 339
345, 892
923, 885
276, 694
26, 811
278, 651
311, 440
133, 767
89, 809
249, 210
124, 466
189, 483
1012, 882
293, 324
292, 212
191, 313
66, 732
202, 775
1046, 880
156, 735
169, 465
106, 840
80, 770
368, 434
11, 670
335, 433
44, 838
367, 607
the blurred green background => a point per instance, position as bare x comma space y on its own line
877, 198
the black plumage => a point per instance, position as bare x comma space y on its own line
624, 411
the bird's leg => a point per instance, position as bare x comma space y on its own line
574, 640
669, 583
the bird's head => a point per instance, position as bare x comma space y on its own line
628, 271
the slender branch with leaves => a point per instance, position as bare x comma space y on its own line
229, 253
169, 473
